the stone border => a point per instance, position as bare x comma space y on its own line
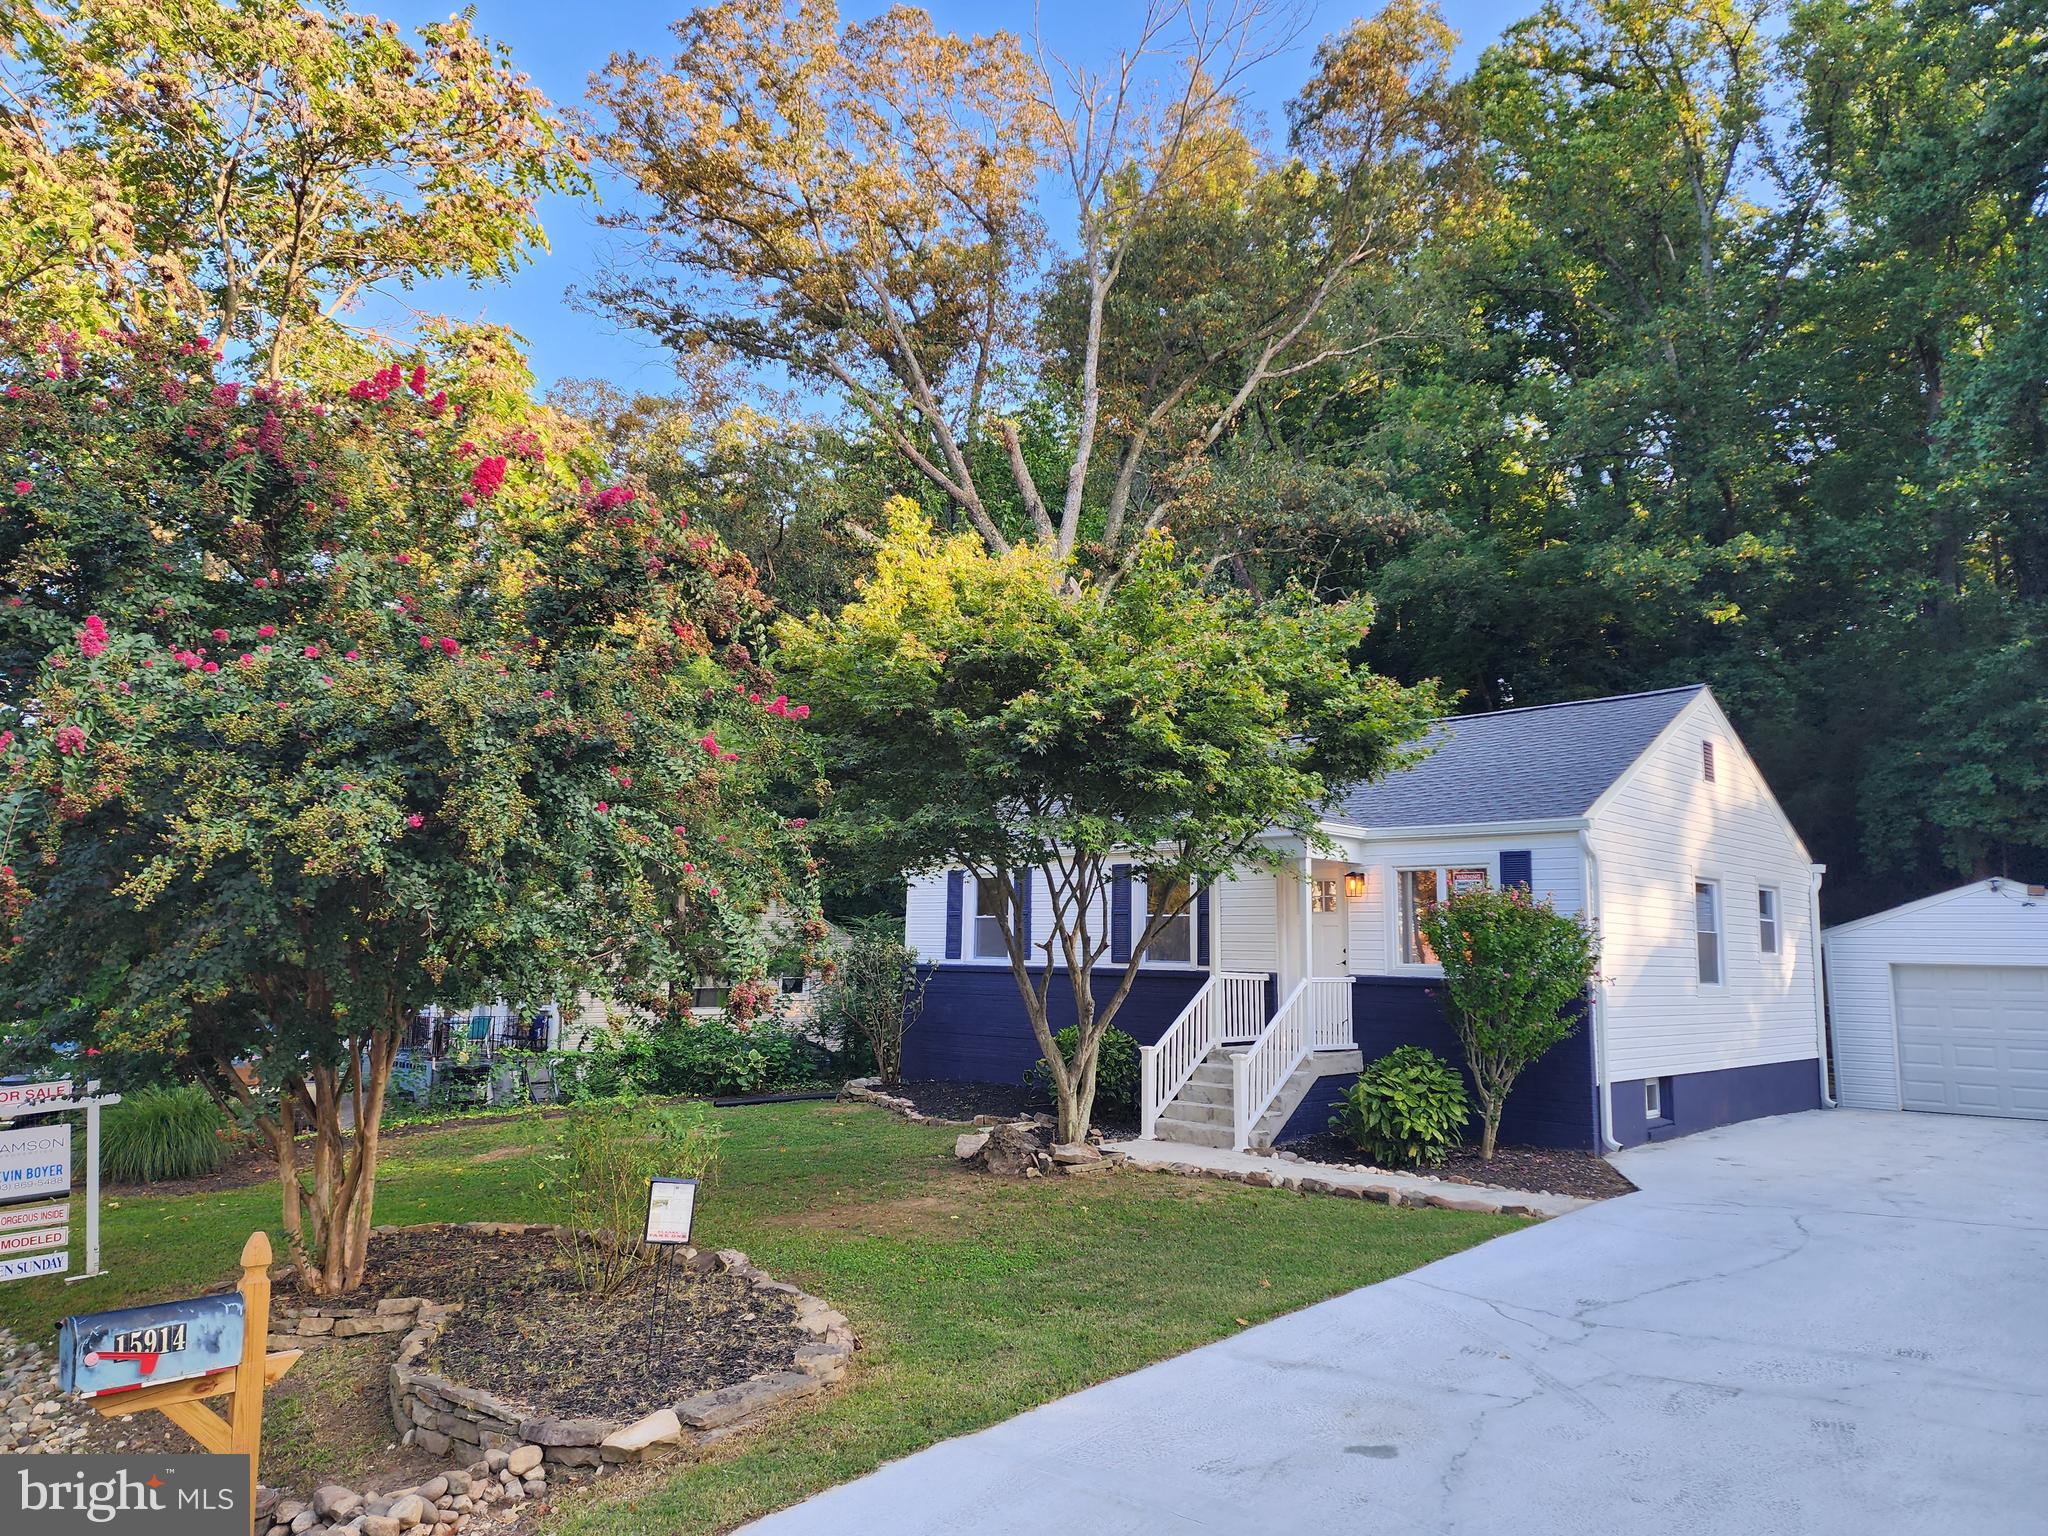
1309, 1184
446, 1418
868, 1090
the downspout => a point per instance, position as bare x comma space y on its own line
1820, 996
1603, 1093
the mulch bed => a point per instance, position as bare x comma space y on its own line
1008, 1101
528, 1331
1553, 1170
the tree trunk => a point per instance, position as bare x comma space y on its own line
345, 1161
1490, 1107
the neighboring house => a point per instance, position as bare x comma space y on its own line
1641, 812
1942, 1004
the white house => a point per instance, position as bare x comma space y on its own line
1642, 813
1942, 1004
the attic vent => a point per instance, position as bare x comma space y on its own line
1707, 761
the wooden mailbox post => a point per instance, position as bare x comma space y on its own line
182, 1401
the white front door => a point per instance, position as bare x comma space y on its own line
1329, 926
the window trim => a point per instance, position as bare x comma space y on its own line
1712, 884
1488, 866
1770, 923
1653, 1099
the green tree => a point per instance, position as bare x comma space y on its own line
857, 207
980, 709
1514, 969
366, 712
255, 167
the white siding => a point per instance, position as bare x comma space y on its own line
1975, 925
1245, 910
1661, 829
924, 916
1557, 871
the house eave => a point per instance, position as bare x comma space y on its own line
1455, 828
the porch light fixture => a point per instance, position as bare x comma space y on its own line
1354, 884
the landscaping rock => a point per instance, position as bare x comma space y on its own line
410, 1511
523, 1460
381, 1525
334, 1502
661, 1427
1010, 1150
967, 1145
1069, 1153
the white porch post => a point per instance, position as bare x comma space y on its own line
1308, 917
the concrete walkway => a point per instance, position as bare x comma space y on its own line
1413, 1188
1830, 1324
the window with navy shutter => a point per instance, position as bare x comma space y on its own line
1120, 913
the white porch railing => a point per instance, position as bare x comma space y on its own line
1315, 1016
1226, 1007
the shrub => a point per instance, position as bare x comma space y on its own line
692, 1058
1407, 1110
873, 992
1513, 968
1118, 1075
610, 1149
163, 1133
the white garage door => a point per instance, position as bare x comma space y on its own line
1973, 1039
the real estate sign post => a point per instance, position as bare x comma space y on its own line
35, 1178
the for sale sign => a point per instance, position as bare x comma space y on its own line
35, 1162
12, 1243
26, 1098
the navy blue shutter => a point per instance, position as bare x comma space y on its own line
1202, 927
956, 894
1515, 869
1024, 913
1120, 913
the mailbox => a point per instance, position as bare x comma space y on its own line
147, 1346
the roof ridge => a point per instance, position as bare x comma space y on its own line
1605, 698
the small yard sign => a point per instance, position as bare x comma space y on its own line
172, 1341
35, 1162
671, 1208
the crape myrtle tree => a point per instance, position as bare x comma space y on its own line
1514, 969
342, 709
983, 709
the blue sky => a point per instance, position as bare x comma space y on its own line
560, 45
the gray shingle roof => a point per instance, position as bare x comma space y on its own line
1553, 760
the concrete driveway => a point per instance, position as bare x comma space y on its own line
1830, 1322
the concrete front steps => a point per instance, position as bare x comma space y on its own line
1200, 1114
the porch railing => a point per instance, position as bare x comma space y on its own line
1228, 1006
1315, 1016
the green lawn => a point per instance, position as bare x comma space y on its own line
973, 1299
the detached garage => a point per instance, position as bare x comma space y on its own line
1942, 1004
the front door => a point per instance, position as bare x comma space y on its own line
1329, 927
